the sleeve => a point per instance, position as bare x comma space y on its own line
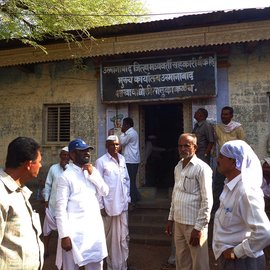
210, 133
127, 184
124, 139
99, 168
3, 220
61, 215
171, 213
48, 185
205, 182
97, 180
240, 133
251, 208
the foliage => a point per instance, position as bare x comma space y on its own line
32, 21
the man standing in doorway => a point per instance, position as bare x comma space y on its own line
114, 207
205, 135
190, 207
129, 141
226, 131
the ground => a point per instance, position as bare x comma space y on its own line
141, 257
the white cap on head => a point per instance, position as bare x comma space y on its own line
65, 149
112, 138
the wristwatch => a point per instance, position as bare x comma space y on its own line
232, 255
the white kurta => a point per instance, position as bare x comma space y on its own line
49, 191
78, 215
116, 177
116, 205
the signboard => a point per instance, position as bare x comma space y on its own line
170, 78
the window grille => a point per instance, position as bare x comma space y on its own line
57, 123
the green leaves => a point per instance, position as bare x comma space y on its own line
32, 21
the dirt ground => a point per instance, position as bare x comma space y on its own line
142, 257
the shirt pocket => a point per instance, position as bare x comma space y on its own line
225, 217
191, 185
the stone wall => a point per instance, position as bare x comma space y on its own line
24, 91
249, 83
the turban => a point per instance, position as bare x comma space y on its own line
246, 161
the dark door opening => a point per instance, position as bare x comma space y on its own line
163, 125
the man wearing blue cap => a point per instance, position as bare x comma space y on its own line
80, 227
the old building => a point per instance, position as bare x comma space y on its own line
157, 72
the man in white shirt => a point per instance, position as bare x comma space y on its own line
190, 207
49, 193
129, 141
112, 168
80, 227
241, 227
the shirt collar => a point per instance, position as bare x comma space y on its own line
192, 160
231, 184
9, 182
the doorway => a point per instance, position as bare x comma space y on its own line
163, 125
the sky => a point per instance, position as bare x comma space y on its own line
187, 7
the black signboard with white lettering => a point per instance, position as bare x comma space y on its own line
189, 76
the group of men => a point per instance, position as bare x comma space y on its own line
90, 204
86, 204
241, 227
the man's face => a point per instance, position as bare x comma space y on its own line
186, 147
225, 164
64, 158
35, 165
112, 147
125, 127
81, 157
226, 117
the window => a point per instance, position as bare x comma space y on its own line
57, 123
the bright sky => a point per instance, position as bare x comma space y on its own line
185, 7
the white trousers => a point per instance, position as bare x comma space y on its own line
69, 264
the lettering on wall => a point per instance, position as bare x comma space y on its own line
171, 78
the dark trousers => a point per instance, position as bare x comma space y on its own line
132, 172
242, 264
218, 185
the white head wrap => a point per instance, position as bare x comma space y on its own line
246, 161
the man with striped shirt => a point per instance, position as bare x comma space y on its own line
190, 207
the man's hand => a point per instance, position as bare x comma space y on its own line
169, 227
66, 243
195, 237
229, 254
103, 212
88, 167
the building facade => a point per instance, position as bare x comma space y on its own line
158, 73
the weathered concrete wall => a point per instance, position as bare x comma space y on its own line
249, 82
22, 96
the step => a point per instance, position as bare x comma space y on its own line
147, 228
155, 216
162, 240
